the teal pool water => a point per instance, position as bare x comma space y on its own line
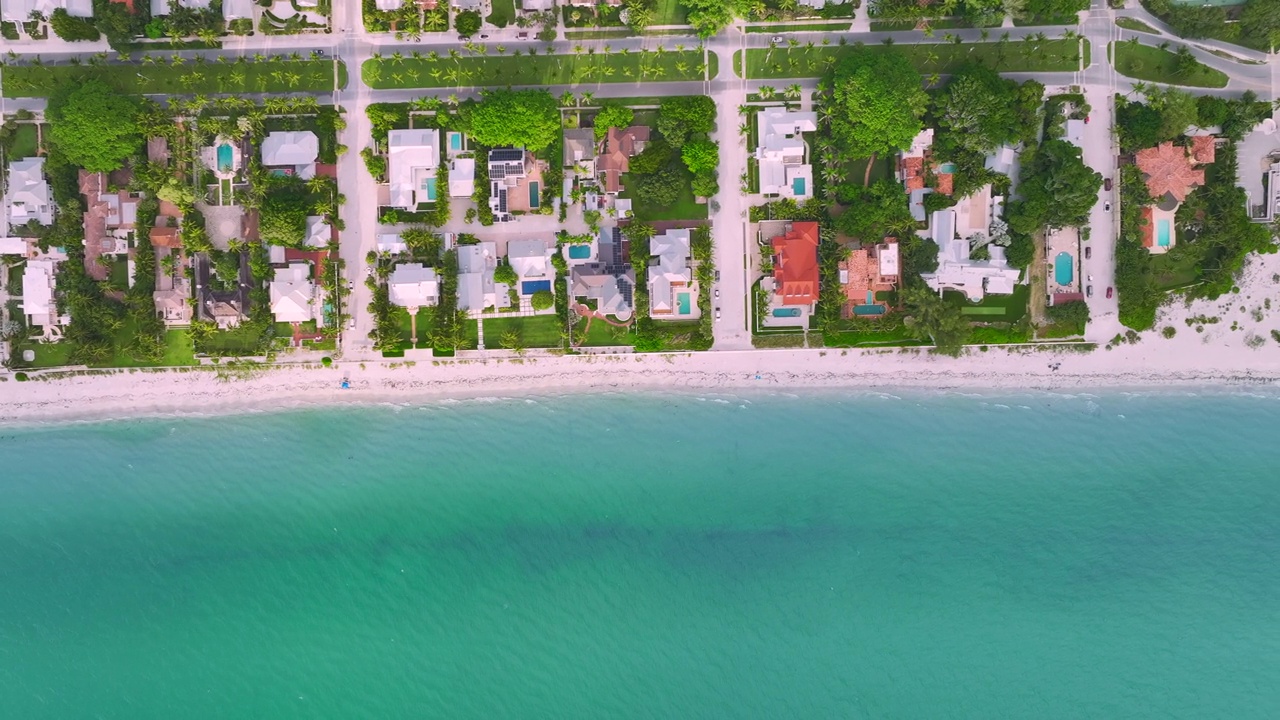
684, 303
534, 198
864, 310
786, 312
702, 556
579, 252
455, 141
430, 187
798, 186
1063, 272
1162, 232
947, 167
226, 158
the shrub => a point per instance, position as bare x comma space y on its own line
1169, 331
467, 23
72, 28
20, 377
542, 300
326, 361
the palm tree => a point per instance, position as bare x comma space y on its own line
765, 91
794, 91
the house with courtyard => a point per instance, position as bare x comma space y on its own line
292, 152
916, 167
477, 289
782, 154
958, 271
293, 294
413, 157
866, 274
225, 303
579, 156
109, 218
173, 289
607, 278
40, 293
515, 181
27, 197
672, 295
413, 286
620, 145
1170, 172
793, 284
531, 261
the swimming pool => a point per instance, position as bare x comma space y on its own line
868, 309
1062, 270
871, 297
684, 303
533, 195
947, 167
226, 158
430, 187
1162, 233
797, 187
786, 312
529, 287
455, 141
579, 252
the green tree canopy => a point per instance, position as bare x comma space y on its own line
94, 126
661, 188
1058, 189
700, 156
877, 101
1260, 20
680, 118
467, 23
612, 115
875, 211
542, 299
1138, 125
282, 219
978, 110
1177, 110
932, 318
70, 27
528, 118
708, 17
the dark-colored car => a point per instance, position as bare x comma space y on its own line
1088, 291
1106, 184
1109, 293
1088, 252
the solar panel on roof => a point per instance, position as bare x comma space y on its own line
506, 155
497, 172
502, 201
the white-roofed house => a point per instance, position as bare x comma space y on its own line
670, 276
957, 271
237, 9
389, 5
319, 232
39, 294
781, 153
476, 287
293, 293
1075, 133
19, 11
462, 177
392, 243
413, 157
531, 259
536, 5
27, 197
413, 286
161, 7
294, 150
606, 276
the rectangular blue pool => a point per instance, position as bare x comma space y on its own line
579, 252
430, 187
797, 187
533, 195
455, 141
1162, 232
529, 287
868, 309
786, 312
1062, 270
684, 304
226, 158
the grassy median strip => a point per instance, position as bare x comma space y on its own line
940, 58
189, 78
1143, 62
536, 70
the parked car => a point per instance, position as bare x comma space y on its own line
717, 314
1106, 184
775, 39
1088, 291
1088, 252
717, 293
1106, 206
1109, 293
1090, 278
717, 276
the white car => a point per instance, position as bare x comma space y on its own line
717, 293
717, 314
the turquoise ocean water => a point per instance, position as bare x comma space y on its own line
834, 555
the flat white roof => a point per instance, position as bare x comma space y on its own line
414, 285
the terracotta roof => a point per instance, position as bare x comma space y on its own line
944, 183
126, 3
165, 237
913, 173
1203, 149
1168, 170
620, 146
1148, 228
796, 269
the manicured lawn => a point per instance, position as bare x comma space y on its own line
993, 308
236, 341
13, 285
24, 142
539, 331
684, 208
273, 76
119, 277
51, 354
490, 70
941, 58
602, 334
178, 348
669, 12
1174, 270
883, 168
504, 13
471, 335
1143, 62
803, 27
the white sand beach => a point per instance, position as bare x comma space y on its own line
1236, 350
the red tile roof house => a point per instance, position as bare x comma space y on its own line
619, 147
795, 265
